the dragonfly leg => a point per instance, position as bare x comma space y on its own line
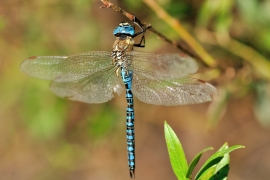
142, 42
143, 30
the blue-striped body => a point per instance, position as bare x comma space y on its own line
122, 45
127, 79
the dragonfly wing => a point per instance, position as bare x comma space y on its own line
171, 92
66, 68
97, 88
165, 66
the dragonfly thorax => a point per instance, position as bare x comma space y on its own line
121, 59
120, 50
123, 44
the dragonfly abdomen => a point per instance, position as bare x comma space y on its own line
130, 138
127, 79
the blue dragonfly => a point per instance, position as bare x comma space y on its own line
96, 76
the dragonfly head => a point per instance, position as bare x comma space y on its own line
124, 29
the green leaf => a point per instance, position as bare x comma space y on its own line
218, 171
195, 161
216, 159
176, 153
213, 174
222, 174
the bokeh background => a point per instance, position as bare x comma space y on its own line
46, 137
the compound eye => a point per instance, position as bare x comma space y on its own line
127, 30
116, 30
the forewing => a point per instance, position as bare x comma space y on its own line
164, 66
181, 91
66, 68
97, 88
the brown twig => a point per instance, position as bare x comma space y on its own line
148, 26
108, 4
176, 25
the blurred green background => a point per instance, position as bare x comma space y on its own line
46, 137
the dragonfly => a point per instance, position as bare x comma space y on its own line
97, 76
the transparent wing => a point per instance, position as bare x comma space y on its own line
164, 66
171, 92
66, 68
97, 88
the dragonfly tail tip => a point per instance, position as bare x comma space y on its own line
132, 173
